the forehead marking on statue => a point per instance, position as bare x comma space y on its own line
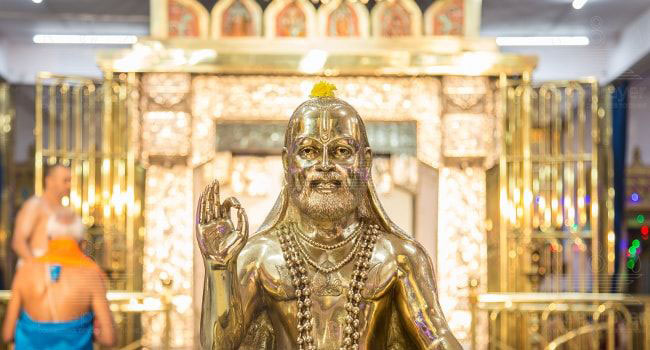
325, 125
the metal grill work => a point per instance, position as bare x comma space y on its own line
554, 188
551, 226
86, 125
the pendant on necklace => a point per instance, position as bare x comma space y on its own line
327, 285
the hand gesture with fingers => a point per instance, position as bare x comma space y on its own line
219, 239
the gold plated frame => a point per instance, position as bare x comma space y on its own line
354, 57
558, 137
551, 221
86, 125
400, 58
418, 59
253, 99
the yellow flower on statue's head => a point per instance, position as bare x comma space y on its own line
323, 89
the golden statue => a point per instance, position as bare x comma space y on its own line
327, 270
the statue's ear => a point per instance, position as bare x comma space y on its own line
367, 155
285, 159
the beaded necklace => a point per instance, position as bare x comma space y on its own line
298, 271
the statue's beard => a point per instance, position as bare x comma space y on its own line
325, 206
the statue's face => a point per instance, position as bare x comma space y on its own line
327, 162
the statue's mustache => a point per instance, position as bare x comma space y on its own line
329, 179
324, 176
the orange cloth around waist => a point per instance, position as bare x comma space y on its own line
65, 252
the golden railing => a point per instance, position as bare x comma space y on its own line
550, 321
88, 126
126, 308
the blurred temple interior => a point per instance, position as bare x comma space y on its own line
510, 139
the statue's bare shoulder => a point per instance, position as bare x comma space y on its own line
259, 247
412, 260
408, 254
402, 245
263, 261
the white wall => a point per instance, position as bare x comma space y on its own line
562, 63
23, 99
24, 61
639, 118
632, 46
3, 60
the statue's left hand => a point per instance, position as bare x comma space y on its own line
220, 241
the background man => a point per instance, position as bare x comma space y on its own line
56, 298
30, 233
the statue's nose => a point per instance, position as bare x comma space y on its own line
324, 164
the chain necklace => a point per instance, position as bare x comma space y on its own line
315, 244
328, 270
300, 281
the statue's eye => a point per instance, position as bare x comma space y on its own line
342, 152
308, 152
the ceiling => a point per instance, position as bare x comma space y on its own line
20, 19
92, 7
558, 17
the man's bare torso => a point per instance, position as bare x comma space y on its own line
38, 238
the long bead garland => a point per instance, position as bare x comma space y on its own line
300, 281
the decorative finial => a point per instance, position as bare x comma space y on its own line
323, 89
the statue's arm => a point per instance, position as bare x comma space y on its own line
417, 301
230, 302
231, 264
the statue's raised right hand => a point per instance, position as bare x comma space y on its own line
219, 240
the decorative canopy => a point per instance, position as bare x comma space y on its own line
309, 18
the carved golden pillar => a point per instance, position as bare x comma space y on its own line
468, 149
166, 133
